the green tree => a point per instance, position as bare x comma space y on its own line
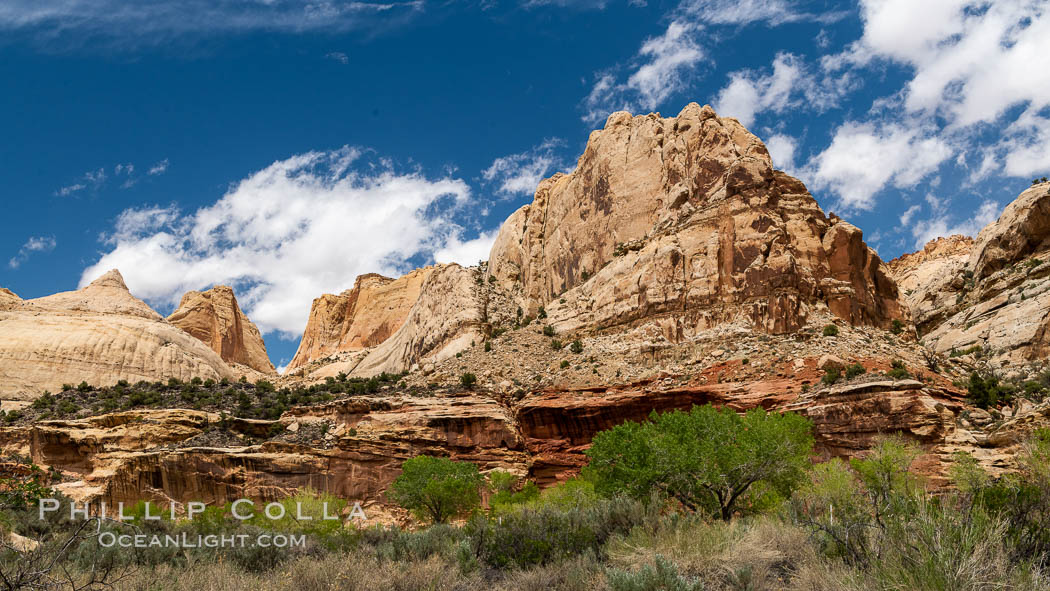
437, 488
709, 459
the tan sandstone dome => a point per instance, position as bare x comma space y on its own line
358, 318
685, 219
214, 318
992, 293
99, 334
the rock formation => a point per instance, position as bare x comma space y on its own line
99, 334
215, 319
685, 219
990, 294
8, 299
358, 318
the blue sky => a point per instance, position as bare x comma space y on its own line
284, 146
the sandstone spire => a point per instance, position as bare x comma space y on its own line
215, 318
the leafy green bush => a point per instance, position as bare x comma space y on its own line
576, 346
831, 330
548, 331
854, 370
985, 391
556, 344
437, 489
707, 459
564, 363
897, 327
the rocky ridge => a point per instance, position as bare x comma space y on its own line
990, 295
99, 334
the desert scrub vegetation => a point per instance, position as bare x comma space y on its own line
867, 524
259, 400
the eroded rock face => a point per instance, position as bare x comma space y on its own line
358, 318
8, 299
447, 317
214, 318
129, 456
99, 334
684, 218
992, 293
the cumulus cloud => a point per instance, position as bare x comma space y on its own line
782, 151
660, 69
972, 63
788, 85
155, 20
864, 158
468, 252
298, 228
33, 245
925, 230
519, 174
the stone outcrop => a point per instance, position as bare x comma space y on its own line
684, 220
134, 455
359, 318
8, 299
991, 294
215, 319
99, 334
446, 318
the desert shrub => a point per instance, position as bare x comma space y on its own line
488, 346
898, 371
543, 535
661, 575
831, 330
556, 344
437, 489
564, 363
548, 331
831, 375
84, 387
897, 326
710, 460
985, 391
576, 346
542, 313
468, 380
854, 370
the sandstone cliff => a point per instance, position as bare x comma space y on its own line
358, 318
683, 220
215, 319
8, 299
990, 294
99, 334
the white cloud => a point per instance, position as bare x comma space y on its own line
296, 229
34, 244
863, 159
660, 69
739, 12
782, 151
925, 230
519, 174
156, 20
973, 63
158, 168
789, 85
338, 56
469, 252
909, 213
